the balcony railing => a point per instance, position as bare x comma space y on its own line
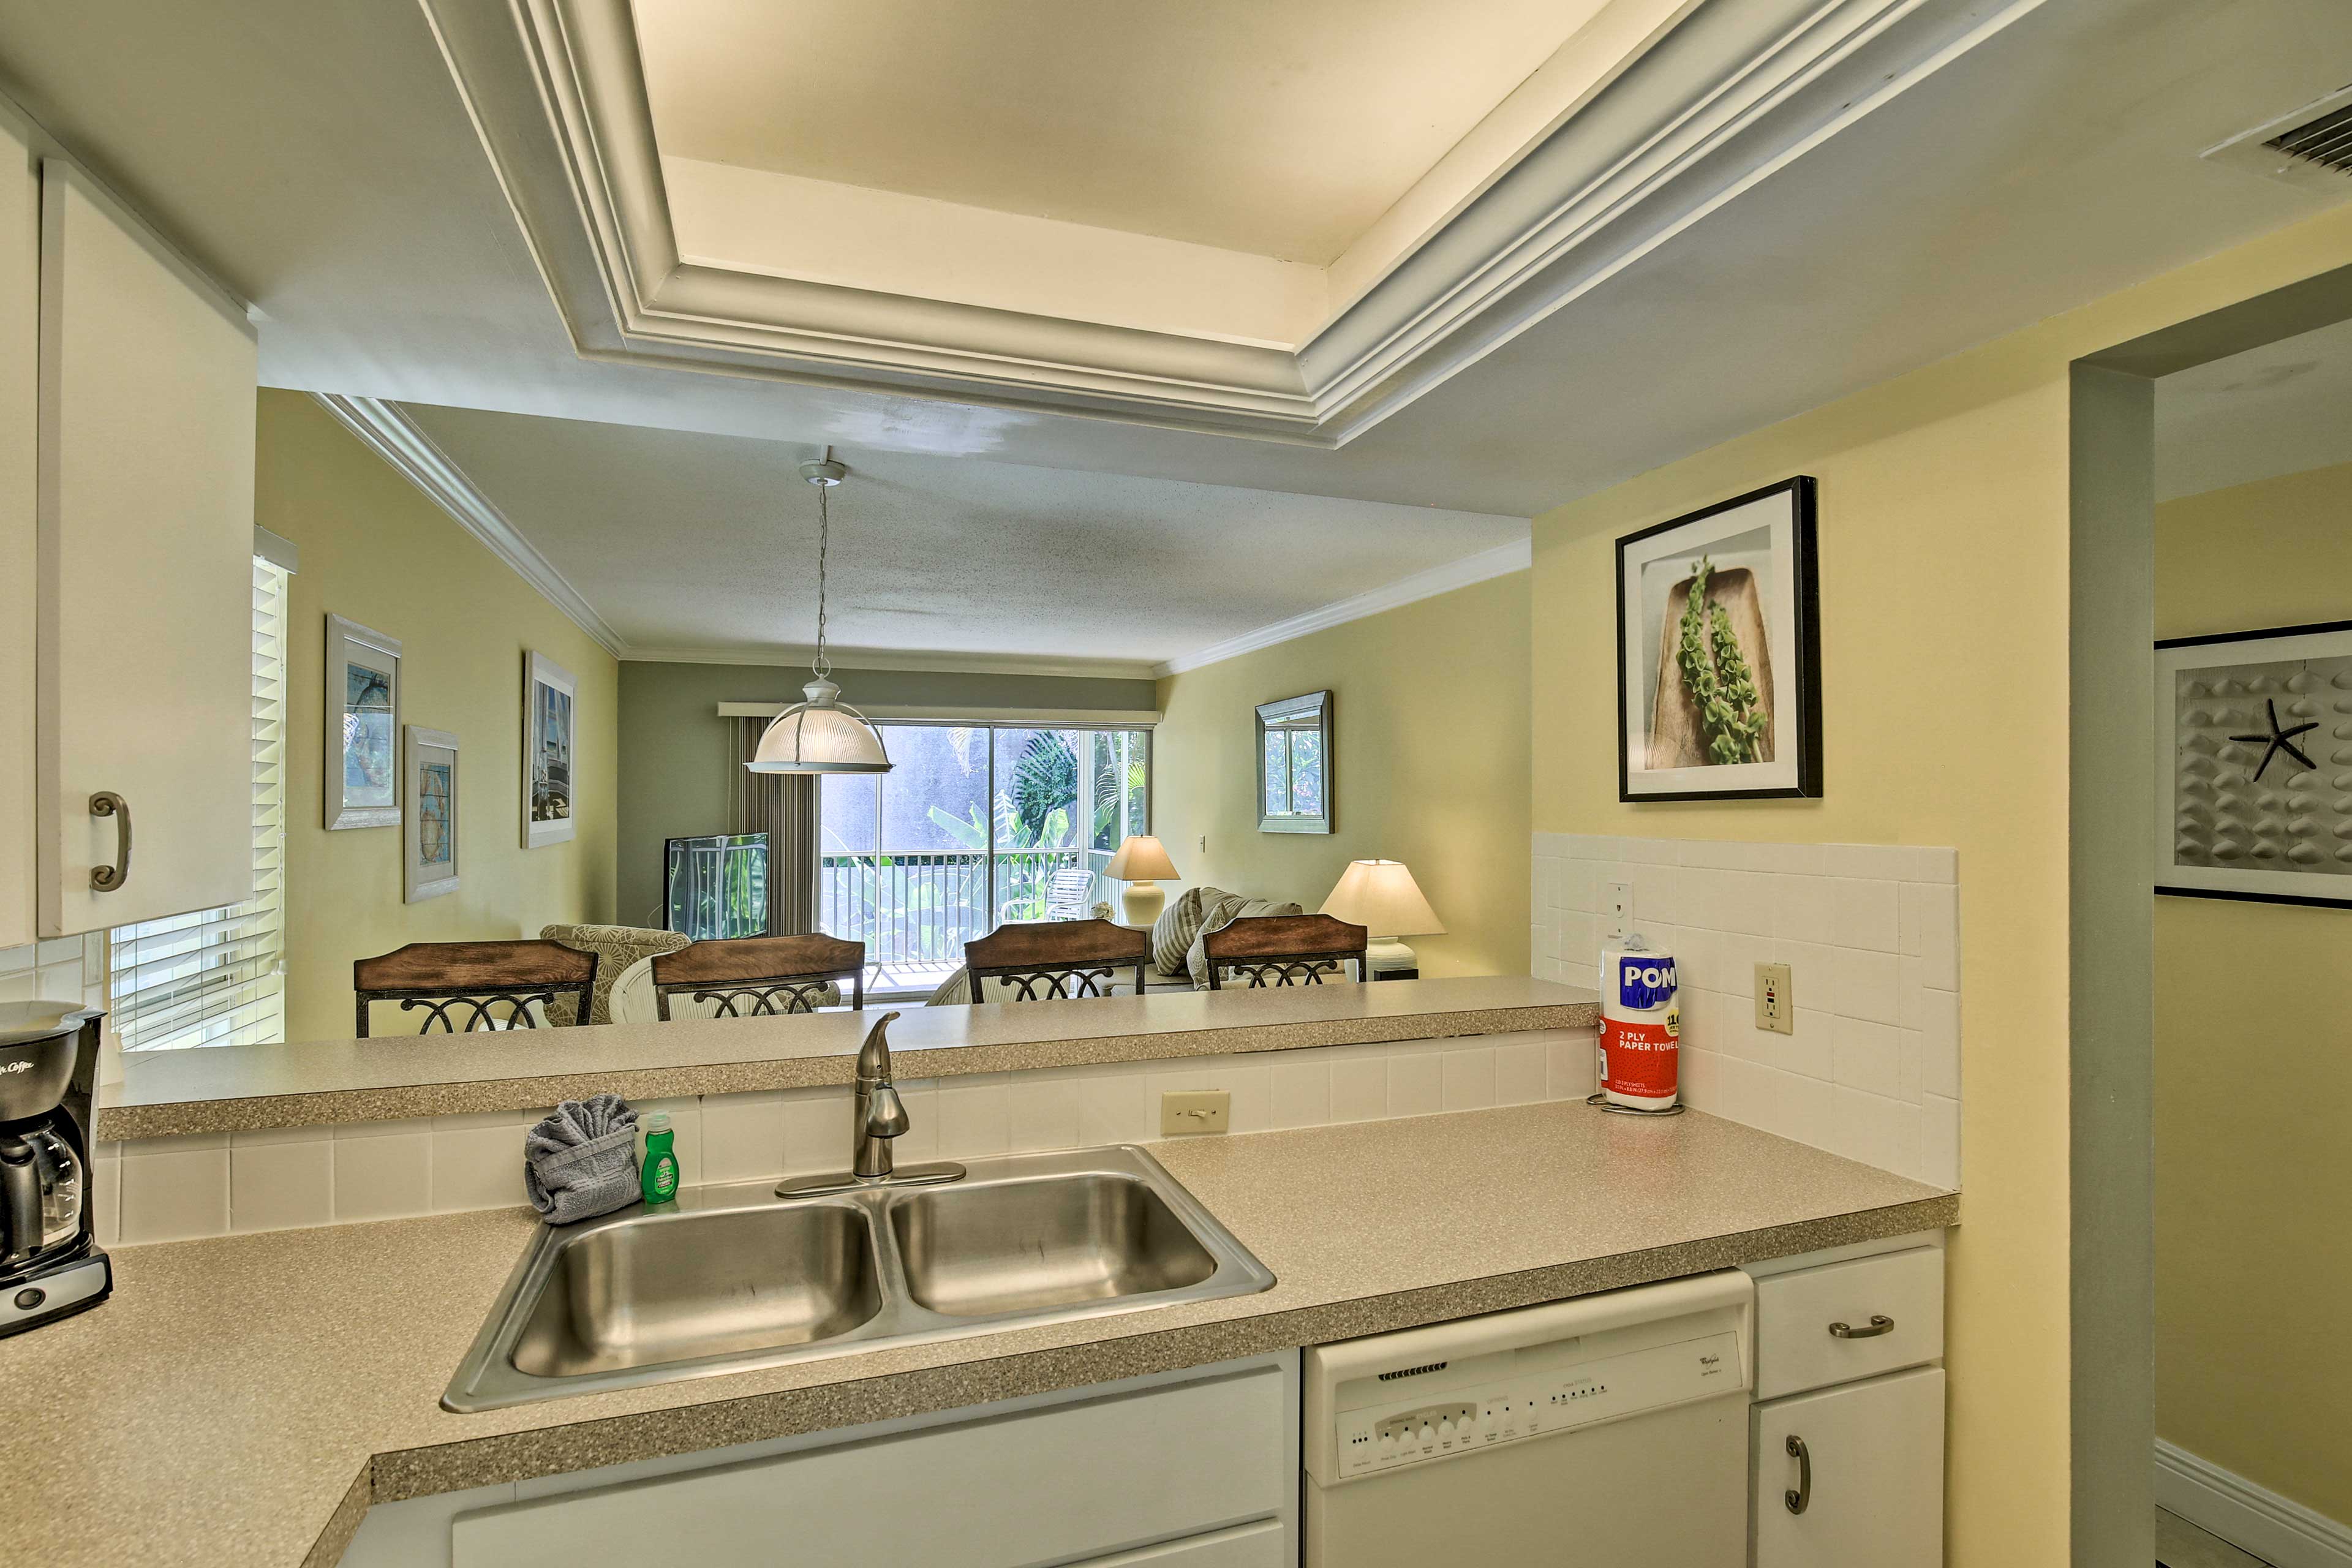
921, 909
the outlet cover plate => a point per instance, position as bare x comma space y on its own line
1183, 1113
1775, 999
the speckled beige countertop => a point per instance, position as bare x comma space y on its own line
315, 1083
243, 1400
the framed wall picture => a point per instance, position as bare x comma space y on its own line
429, 830
550, 711
2253, 765
1294, 764
1718, 652
362, 771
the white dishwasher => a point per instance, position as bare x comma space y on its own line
1606, 1432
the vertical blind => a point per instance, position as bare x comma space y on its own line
217, 978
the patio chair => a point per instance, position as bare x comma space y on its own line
1068, 894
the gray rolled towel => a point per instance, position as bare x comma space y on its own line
581, 1160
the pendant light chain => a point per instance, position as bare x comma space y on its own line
822, 668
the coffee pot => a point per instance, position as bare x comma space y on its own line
50, 1266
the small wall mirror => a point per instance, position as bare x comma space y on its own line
1294, 764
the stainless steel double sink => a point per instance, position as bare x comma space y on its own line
732, 1278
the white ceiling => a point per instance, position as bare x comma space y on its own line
2278, 409
682, 540
318, 159
1283, 129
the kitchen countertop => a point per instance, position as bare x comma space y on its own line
390, 1077
244, 1399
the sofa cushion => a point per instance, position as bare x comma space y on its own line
1179, 923
616, 948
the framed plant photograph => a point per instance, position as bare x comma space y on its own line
2253, 765
1718, 652
428, 829
362, 771
550, 703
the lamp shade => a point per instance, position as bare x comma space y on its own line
1381, 896
1142, 858
820, 736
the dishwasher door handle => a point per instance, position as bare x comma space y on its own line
1801, 1498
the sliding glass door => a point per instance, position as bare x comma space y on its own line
975, 826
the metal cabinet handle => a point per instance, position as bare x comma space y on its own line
108, 878
1801, 1498
1880, 1323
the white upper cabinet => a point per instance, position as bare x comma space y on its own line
20, 322
145, 523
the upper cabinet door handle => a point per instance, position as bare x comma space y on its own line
108, 878
1880, 1323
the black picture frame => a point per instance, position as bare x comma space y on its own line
2252, 885
1795, 775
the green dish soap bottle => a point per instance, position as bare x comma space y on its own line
660, 1173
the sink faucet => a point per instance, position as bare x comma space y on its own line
876, 1115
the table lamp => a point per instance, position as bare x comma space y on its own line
1381, 896
1139, 863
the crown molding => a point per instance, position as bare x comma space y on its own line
389, 433
1687, 106
1500, 562
849, 660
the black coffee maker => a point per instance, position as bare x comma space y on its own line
50, 1266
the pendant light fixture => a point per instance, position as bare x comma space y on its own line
822, 735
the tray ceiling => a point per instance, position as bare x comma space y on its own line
1282, 131
1283, 230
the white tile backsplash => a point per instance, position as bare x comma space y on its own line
1871, 934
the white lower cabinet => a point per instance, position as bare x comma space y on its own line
1846, 1440
1852, 1476
1198, 1470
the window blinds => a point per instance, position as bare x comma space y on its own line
216, 977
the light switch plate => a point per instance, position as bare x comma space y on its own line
1775, 999
1183, 1113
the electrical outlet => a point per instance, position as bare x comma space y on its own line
1620, 910
1186, 1111
1775, 999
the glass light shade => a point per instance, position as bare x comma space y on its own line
1381, 896
820, 736
1142, 858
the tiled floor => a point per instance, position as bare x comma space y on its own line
2180, 1545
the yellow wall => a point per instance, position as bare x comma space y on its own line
1943, 577
1430, 704
375, 551
2254, 1185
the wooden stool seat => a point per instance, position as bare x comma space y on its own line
1274, 950
761, 976
460, 984
1056, 960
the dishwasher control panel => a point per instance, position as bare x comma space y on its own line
1410, 1431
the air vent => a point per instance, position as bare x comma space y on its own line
1411, 1370
2311, 147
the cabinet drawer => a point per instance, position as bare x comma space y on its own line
1795, 1349
1058, 1485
